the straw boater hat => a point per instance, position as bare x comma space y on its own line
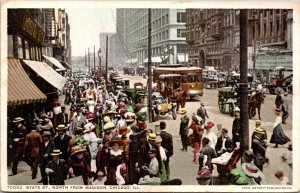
182, 111
129, 117
56, 152
110, 113
259, 130
112, 142
45, 127
257, 122
18, 119
151, 137
78, 149
251, 170
109, 126
61, 127
106, 119
78, 129
124, 130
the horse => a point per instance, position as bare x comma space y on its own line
180, 97
255, 101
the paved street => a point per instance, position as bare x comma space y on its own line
181, 163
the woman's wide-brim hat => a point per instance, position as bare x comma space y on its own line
18, 119
110, 113
112, 142
56, 152
129, 117
88, 127
251, 170
109, 126
124, 130
78, 149
209, 125
106, 119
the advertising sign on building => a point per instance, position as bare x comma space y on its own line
265, 62
32, 29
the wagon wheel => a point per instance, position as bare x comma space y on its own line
252, 112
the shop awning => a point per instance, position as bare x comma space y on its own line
47, 73
20, 88
55, 62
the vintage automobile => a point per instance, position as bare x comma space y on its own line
281, 80
161, 107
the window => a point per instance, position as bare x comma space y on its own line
20, 48
271, 28
27, 56
167, 34
181, 17
277, 25
265, 29
181, 33
10, 46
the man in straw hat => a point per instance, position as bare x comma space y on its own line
57, 169
46, 149
18, 143
61, 141
259, 148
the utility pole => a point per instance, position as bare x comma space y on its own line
94, 61
244, 121
89, 60
106, 62
85, 63
149, 68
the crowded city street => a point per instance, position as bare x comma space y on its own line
168, 97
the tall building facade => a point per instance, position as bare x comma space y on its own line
114, 50
205, 36
168, 35
214, 39
122, 33
102, 38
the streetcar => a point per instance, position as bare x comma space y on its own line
186, 78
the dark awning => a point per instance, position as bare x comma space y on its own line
20, 88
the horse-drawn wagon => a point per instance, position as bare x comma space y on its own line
227, 99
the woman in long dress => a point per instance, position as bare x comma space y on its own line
115, 158
278, 136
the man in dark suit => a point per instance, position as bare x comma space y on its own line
61, 142
65, 116
224, 143
46, 149
167, 144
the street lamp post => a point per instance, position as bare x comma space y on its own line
99, 56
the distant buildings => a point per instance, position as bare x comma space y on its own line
213, 38
168, 35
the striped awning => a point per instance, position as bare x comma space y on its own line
20, 88
47, 73
55, 62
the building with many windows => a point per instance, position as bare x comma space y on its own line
213, 37
168, 35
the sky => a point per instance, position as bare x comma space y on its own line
85, 26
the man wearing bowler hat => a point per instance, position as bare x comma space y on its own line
46, 149
167, 144
224, 143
